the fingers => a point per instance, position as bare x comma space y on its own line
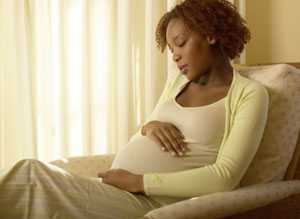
169, 142
178, 137
165, 142
168, 136
174, 127
175, 140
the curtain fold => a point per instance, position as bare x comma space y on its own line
77, 77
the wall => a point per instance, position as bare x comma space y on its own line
275, 29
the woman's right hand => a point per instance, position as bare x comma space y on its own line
167, 135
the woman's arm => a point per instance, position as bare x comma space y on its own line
233, 159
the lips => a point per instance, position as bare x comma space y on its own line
183, 68
184, 71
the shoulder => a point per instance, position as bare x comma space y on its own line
247, 94
245, 87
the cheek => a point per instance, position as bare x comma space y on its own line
201, 55
195, 56
198, 61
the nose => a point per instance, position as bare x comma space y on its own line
176, 57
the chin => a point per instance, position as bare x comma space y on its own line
187, 75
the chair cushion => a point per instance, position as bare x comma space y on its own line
293, 171
282, 129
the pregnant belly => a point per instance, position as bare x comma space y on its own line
142, 155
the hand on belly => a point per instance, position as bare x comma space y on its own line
142, 155
166, 135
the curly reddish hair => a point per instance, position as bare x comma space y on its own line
217, 18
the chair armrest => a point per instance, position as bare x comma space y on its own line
287, 208
223, 204
87, 166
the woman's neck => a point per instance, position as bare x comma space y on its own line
220, 74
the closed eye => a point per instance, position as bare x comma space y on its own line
181, 45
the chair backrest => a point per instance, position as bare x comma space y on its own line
293, 170
276, 158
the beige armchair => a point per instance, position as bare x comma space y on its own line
271, 186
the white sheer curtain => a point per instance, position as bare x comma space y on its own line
78, 77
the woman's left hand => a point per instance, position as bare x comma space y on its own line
123, 179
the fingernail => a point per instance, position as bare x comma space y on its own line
173, 153
180, 153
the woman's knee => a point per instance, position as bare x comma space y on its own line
27, 161
21, 171
27, 164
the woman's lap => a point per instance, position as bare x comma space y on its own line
32, 189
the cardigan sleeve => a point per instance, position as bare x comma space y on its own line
234, 156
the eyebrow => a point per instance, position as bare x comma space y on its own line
174, 38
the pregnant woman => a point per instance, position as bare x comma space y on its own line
200, 138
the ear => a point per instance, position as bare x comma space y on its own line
211, 40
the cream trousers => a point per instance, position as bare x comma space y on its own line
37, 190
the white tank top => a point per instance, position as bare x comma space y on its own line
203, 128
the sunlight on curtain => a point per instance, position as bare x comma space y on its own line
39, 47
85, 45
2, 78
100, 43
74, 55
54, 78
78, 77
86, 51
56, 65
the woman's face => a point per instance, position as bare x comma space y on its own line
191, 51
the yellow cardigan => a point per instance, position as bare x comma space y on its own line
246, 107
